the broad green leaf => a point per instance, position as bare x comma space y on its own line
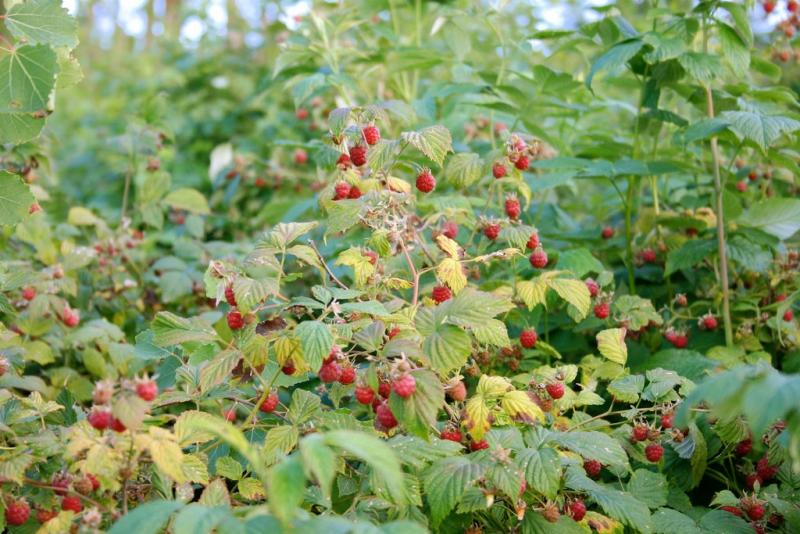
579, 262
445, 483
492, 332
169, 329
689, 254
15, 198
667, 521
286, 484
316, 340
18, 128
777, 216
611, 344
595, 445
319, 461
229, 468
542, 470
649, 487
434, 141
448, 348
219, 369
279, 441
722, 521
624, 507
464, 169
734, 49
197, 518
574, 292
472, 308
627, 388
304, 406
188, 199
148, 518
42, 22
614, 58
762, 129
27, 76
702, 67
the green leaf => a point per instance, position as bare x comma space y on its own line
418, 412
574, 292
628, 388
614, 58
188, 199
701, 130
18, 128
776, 216
595, 445
741, 21
304, 406
279, 441
579, 261
316, 340
319, 461
218, 369
754, 125
722, 521
148, 518
448, 348
624, 507
199, 518
542, 470
689, 254
699, 458
649, 487
229, 468
445, 483
286, 483
382, 153
42, 22
667, 521
492, 332
434, 141
464, 169
535, 523
27, 77
15, 198
169, 329
734, 49
471, 308
702, 67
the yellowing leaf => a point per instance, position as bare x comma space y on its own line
611, 344
287, 348
397, 184
532, 292
450, 272
573, 291
165, 452
81, 217
493, 386
518, 404
477, 419
447, 245
361, 265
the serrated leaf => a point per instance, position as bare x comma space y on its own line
519, 404
464, 169
627, 388
169, 329
492, 332
381, 154
445, 483
762, 129
229, 468
15, 198
472, 308
734, 49
594, 445
649, 487
573, 291
533, 292
316, 341
614, 58
689, 254
304, 406
319, 461
27, 77
611, 344
147, 518
450, 272
42, 22
667, 521
542, 470
188, 199
216, 371
286, 486
362, 267
434, 141
777, 216
702, 67
477, 419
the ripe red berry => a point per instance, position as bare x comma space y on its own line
648, 255
592, 286
607, 232
602, 310
117, 426
330, 372
384, 389
17, 512
441, 293
592, 468
791, 6
752, 176
43, 516
450, 229
457, 392
491, 231
538, 258
364, 394
527, 338
756, 512
93, 479
680, 341
235, 320
764, 470
533, 241
72, 503
393, 332
512, 207
301, 114
260, 182
355, 193
230, 296
343, 162
405, 386
640, 433
498, 170
666, 421
371, 255
654, 452
269, 404
769, 6
348, 375
522, 163
300, 156
744, 447
708, 322
788, 315
100, 418
70, 317
555, 390
385, 417
425, 181
230, 415
741, 186
147, 390
371, 134
576, 510
751, 480
28, 293
358, 155
478, 445
451, 435
288, 368
34, 208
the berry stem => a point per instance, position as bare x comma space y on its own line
414, 272
325, 265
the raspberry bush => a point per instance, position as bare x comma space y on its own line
401, 268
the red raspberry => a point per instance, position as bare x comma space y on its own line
769, 6
756, 512
230, 415
450, 229
708, 322
333, 354
100, 418
371, 134
752, 176
441, 293
648, 255
34, 208
4, 365
751, 479
343, 162
576, 510
654, 452
235, 320
528, 338
640, 433
791, 6
732, 510
94, 481
780, 298
17, 512
300, 156
522, 163
393, 332
555, 390
70, 317
355, 193
425, 181
147, 390
788, 315
43, 516
364, 394
513, 208
358, 155
330, 372
666, 421
451, 435
384, 389
592, 468
230, 296
269, 404
744, 447
117, 426
602, 310
301, 114
765, 471
457, 392
405, 386
592, 286
538, 258
371, 256
28, 293
741, 186
348, 376
533, 241
385, 416
607, 232
61, 481
498, 170
260, 182
491, 231
288, 368
478, 445
72, 503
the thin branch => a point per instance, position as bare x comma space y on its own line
325, 265
414, 272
